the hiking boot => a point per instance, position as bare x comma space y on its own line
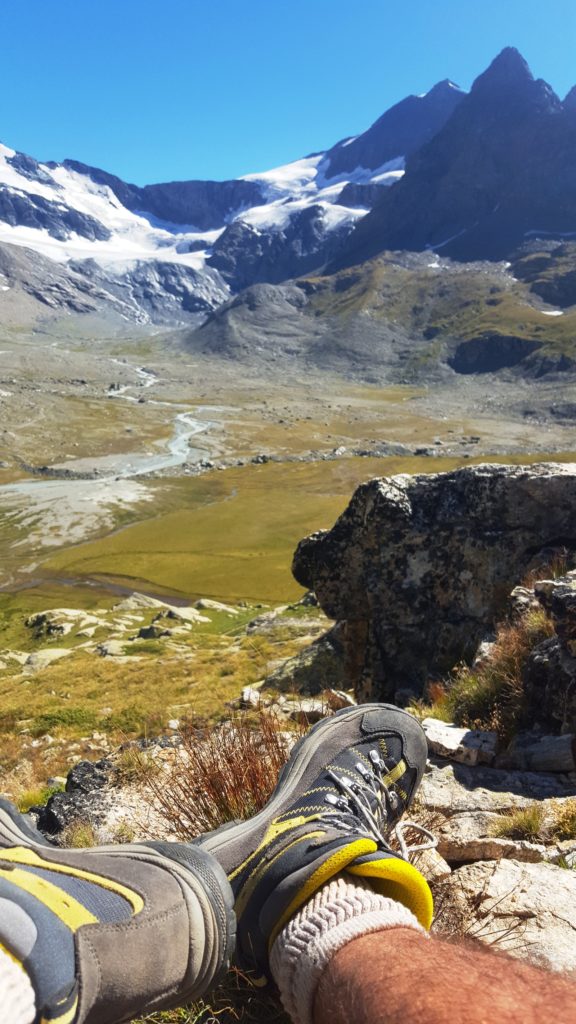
337, 801
18, 829
109, 933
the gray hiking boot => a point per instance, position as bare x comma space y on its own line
106, 934
338, 799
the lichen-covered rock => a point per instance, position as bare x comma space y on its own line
550, 673
549, 683
419, 567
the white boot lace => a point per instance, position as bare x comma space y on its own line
367, 804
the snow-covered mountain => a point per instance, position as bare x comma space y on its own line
163, 253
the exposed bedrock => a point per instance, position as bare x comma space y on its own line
418, 568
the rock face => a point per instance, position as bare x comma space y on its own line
498, 171
399, 132
418, 567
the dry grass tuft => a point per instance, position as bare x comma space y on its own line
563, 824
527, 823
221, 774
491, 696
78, 835
235, 1001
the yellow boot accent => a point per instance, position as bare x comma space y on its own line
66, 1018
70, 912
339, 861
400, 881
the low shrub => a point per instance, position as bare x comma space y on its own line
70, 717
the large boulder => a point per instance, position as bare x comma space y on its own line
419, 567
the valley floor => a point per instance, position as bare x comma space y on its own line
128, 465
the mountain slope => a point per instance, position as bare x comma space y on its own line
402, 130
403, 317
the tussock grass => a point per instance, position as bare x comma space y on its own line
78, 835
36, 797
526, 823
548, 821
564, 820
221, 774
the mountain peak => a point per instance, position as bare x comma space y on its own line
445, 87
508, 69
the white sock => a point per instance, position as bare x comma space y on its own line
340, 911
17, 999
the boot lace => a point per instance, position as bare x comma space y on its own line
367, 804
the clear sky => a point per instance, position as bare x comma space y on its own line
159, 90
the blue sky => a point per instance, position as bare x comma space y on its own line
157, 90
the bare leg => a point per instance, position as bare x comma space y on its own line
399, 977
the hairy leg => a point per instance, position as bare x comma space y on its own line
399, 977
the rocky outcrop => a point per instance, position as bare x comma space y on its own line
419, 567
57, 219
498, 171
550, 675
305, 240
399, 132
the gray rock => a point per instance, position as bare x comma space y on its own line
531, 907
41, 659
549, 682
314, 669
468, 837
207, 604
155, 631
558, 597
417, 566
458, 788
469, 746
112, 649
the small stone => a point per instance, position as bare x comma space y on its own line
468, 746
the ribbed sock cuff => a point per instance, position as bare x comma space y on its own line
17, 997
339, 912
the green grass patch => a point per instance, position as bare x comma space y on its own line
491, 696
75, 718
233, 534
36, 797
